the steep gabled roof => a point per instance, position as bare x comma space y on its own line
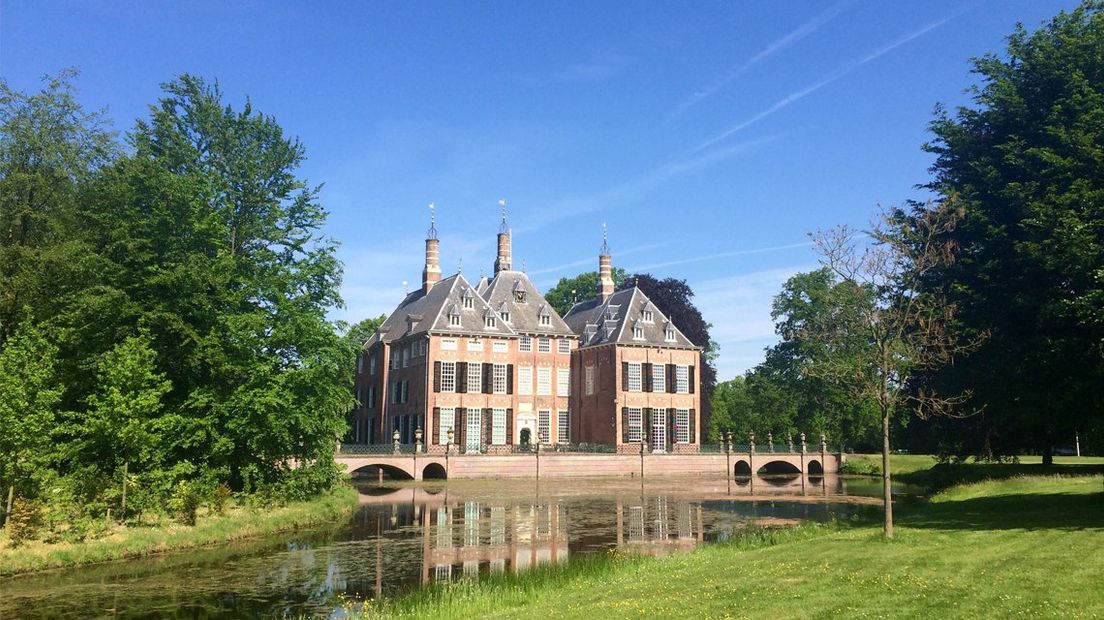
423, 312
524, 315
613, 321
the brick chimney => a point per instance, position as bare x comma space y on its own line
504, 260
605, 269
432, 273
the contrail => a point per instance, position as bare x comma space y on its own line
696, 259
831, 77
782, 43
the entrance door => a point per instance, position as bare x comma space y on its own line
474, 426
659, 430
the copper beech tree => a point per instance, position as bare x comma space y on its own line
881, 329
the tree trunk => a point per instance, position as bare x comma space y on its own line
11, 496
887, 490
1048, 455
122, 510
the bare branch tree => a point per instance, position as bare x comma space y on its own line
890, 326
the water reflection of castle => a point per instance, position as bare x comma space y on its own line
467, 538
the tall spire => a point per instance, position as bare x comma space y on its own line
504, 259
431, 274
605, 268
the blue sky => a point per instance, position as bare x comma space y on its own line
712, 137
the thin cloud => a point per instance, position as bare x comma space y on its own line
590, 260
831, 77
775, 46
706, 257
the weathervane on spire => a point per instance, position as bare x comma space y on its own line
460, 266
605, 240
503, 228
432, 232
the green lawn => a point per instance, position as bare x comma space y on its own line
1024, 546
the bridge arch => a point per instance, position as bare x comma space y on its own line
392, 471
815, 467
779, 467
742, 469
434, 471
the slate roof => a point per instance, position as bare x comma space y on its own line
420, 312
524, 316
612, 322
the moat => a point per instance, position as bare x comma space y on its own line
404, 535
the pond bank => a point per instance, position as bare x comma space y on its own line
238, 523
1021, 546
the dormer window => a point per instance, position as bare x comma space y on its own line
519, 292
469, 299
669, 332
637, 331
544, 317
454, 316
505, 316
545, 320
504, 312
489, 322
647, 315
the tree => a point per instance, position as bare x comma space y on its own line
674, 298
881, 332
1026, 163
28, 398
359, 332
124, 423
568, 291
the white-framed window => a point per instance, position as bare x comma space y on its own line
525, 381
469, 301
372, 365
544, 425
395, 355
563, 382
448, 344
669, 334
405, 391
406, 356
636, 428
563, 346
423, 347
360, 363
544, 320
474, 425
635, 384
371, 404
445, 424
360, 398
589, 372
563, 427
638, 333
682, 379
544, 381
454, 320
475, 377
498, 426
448, 376
659, 378
525, 344
647, 316
505, 315
544, 345
682, 425
490, 322
500, 346
475, 345
396, 392
498, 379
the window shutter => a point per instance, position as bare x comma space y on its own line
460, 426
510, 425
646, 424
671, 378
509, 379
461, 377
692, 381
487, 416
693, 430
624, 376
624, 425
488, 378
436, 376
435, 432
646, 377
669, 415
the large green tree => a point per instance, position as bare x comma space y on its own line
569, 291
1026, 161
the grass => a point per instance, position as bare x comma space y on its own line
1021, 546
925, 471
135, 541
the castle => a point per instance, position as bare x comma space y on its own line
492, 366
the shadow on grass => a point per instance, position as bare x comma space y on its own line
945, 475
1028, 511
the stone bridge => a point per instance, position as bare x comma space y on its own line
574, 465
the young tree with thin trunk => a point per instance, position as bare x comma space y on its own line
881, 330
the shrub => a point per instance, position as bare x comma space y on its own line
184, 503
219, 497
861, 467
25, 522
